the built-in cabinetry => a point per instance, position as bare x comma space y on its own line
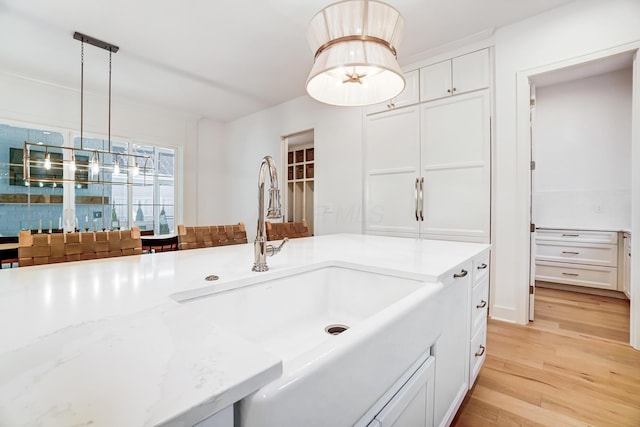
577, 257
461, 349
412, 405
479, 314
300, 184
626, 264
409, 96
461, 74
427, 165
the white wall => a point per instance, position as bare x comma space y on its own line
578, 29
582, 149
338, 164
56, 107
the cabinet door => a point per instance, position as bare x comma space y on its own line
455, 164
452, 348
409, 96
412, 406
435, 81
470, 72
392, 151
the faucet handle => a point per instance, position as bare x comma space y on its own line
272, 250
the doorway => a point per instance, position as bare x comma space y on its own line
581, 181
299, 159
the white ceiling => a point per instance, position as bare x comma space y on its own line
219, 59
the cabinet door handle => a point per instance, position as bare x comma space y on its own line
454, 89
571, 252
570, 235
482, 266
462, 273
448, 90
416, 197
570, 274
421, 198
480, 352
482, 304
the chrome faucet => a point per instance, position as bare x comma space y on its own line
260, 248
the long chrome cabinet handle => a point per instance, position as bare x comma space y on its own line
571, 252
416, 197
421, 199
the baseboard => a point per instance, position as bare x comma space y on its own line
505, 314
581, 289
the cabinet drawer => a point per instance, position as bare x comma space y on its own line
479, 306
577, 253
477, 354
480, 267
581, 275
585, 236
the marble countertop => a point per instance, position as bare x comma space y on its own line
102, 342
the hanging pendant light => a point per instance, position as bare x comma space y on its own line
355, 64
135, 171
72, 163
47, 161
95, 163
116, 167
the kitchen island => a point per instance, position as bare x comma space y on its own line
105, 343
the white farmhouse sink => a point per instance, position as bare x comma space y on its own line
327, 379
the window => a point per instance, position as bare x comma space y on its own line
107, 204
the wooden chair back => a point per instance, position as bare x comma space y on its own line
37, 249
211, 235
292, 230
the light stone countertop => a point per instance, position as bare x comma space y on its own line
102, 342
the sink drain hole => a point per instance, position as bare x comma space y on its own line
336, 329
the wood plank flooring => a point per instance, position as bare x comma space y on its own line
572, 366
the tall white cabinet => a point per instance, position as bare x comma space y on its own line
427, 165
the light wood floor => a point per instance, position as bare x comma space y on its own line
572, 366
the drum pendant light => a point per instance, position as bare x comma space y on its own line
355, 64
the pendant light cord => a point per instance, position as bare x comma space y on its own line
81, 93
109, 121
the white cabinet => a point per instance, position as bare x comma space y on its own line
479, 312
412, 405
458, 75
426, 174
409, 96
626, 264
392, 155
452, 348
577, 257
455, 165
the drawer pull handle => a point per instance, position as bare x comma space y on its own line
482, 266
463, 273
481, 351
482, 304
571, 253
570, 235
570, 274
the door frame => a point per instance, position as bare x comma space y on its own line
523, 150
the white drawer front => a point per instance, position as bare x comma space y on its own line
479, 306
578, 253
477, 354
480, 267
581, 275
584, 236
